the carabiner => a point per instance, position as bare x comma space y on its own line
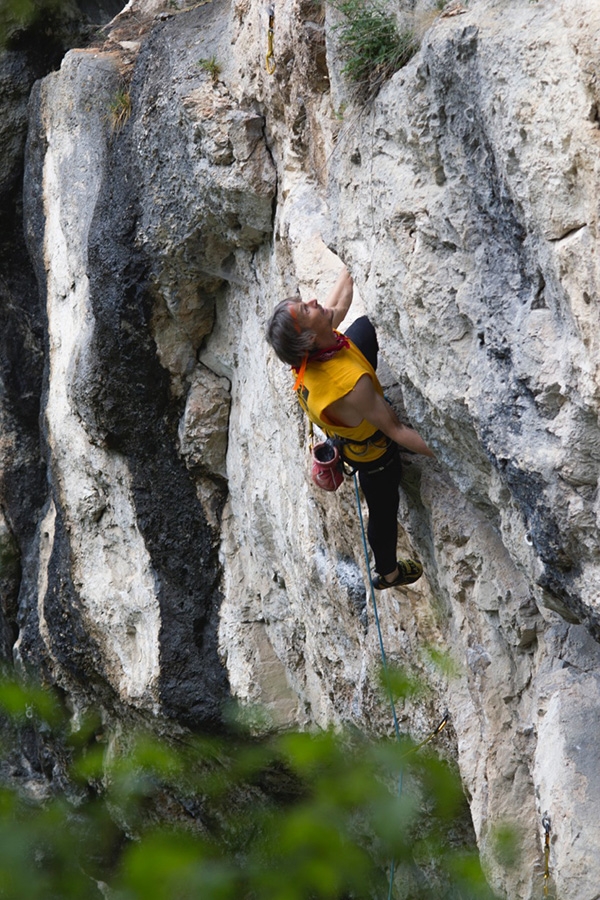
270, 62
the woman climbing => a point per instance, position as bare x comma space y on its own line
337, 386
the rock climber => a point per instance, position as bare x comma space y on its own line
338, 388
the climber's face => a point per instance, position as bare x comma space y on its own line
313, 317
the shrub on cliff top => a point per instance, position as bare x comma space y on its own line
371, 44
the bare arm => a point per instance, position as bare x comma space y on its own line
339, 297
363, 402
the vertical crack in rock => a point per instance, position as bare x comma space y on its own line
22, 469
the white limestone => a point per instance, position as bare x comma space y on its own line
111, 567
465, 203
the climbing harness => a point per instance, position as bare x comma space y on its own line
376, 438
270, 61
329, 465
328, 462
386, 676
546, 827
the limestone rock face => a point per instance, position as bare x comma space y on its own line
166, 549
137, 226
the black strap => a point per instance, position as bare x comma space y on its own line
340, 442
374, 466
376, 436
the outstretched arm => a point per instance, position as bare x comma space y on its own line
363, 402
339, 297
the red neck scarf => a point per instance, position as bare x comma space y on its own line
320, 355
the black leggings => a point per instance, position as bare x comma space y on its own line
380, 479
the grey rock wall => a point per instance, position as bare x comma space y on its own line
22, 469
132, 226
176, 552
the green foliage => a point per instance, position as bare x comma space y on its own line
120, 109
401, 684
35, 17
506, 846
288, 817
441, 661
22, 702
339, 113
212, 67
9, 556
371, 44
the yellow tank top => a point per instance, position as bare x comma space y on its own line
331, 379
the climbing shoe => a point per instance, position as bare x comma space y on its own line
409, 571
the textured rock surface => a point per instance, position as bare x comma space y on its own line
25, 56
178, 553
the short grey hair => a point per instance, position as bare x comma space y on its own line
290, 342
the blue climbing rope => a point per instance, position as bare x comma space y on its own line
386, 675
375, 612
383, 657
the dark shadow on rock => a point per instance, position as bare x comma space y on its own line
125, 397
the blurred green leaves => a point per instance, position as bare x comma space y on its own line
285, 817
34, 17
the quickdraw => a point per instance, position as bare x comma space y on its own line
546, 826
433, 734
270, 61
